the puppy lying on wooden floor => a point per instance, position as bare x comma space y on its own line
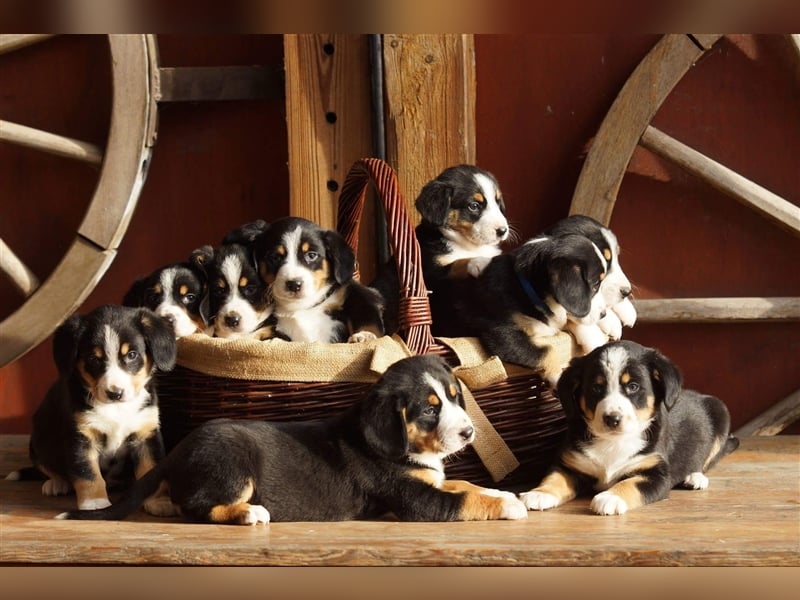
385, 454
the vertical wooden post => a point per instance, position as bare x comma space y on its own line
328, 118
430, 103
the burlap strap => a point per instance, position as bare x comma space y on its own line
278, 360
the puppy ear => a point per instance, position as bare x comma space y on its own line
340, 256
382, 424
569, 286
433, 202
246, 234
201, 257
135, 295
65, 343
569, 387
666, 378
159, 339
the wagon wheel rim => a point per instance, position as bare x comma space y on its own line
626, 126
123, 167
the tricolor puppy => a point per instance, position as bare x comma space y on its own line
463, 224
176, 293
101, 416
309, 271
633, 432
527, 294
382, 455
615, 289
238, 303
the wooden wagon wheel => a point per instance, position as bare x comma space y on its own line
627, 125
123, 166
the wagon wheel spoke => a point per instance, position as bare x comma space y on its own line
49, 142
20, 275
724, 179
10, 42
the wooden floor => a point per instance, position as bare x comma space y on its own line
750, 515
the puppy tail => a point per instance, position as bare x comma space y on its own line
731, 444
26, 474
130, 501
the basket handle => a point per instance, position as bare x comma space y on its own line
414, 312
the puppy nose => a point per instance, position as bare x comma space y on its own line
114, 394
603, 314
501, 231
625, 292
468, 432
232, 320
612, 420
294, 285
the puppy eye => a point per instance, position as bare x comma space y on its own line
598, 389
311, 256
632, 387
132, 355
219, 291
152, 298
189, 298
429, 411
250, 290
94, 361
473, 207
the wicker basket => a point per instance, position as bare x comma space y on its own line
516, 406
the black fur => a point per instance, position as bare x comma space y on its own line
73, 437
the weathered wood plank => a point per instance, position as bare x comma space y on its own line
430, 105
699, 310
726, 180
12, 41
201, 84
775, 419
328, 118
727, 524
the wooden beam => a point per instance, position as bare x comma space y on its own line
430, 104
200, 84
775, 419
706, 310
20, 275
10, 42
328, 118
724, 179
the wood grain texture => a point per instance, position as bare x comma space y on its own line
715, 310
748, 516
328, 118
430, 105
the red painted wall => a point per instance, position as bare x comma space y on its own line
540, 101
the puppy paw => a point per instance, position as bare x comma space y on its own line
534, 500
608, 503
361, 336
256, 514
161, 506
626, 312
477, 265
611, 325
497, 493
512, 508
55, 487
589, 337
93, 503
696, 481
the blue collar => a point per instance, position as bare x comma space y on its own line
532, 295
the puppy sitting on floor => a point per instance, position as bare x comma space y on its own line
382, 455
463, 224
101, 416
633, 432
309, 271
175, 292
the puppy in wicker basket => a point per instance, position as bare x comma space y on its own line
383, 455
463, 224
309, 271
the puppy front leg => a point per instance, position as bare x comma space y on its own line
90, 487
454, 501
634, 491
555, 489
